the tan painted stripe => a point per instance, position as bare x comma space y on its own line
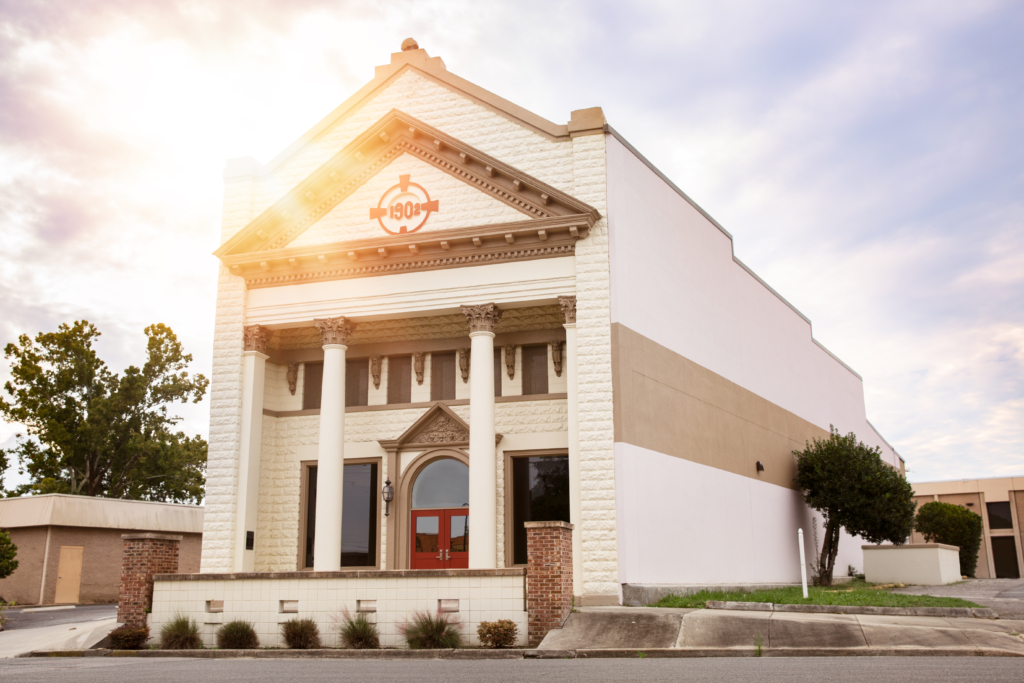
665, 402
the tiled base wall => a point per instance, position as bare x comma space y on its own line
470, 597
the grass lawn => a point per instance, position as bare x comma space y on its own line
856, 592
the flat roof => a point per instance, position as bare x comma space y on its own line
57, 509
996, 489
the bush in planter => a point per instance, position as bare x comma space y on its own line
501, 633
181, 633
129, 638
301, 634
237, 635
952, 525
358, 632
428, 631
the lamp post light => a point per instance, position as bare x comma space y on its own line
388, 493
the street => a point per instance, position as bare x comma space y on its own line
798, 670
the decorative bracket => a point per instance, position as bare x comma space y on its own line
510, 361
293, 376
417, 366
556, 357
375, 363
464, 364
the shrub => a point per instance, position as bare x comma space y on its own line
501, 633
180, 633
301, 634
237, 635
129, 638
8, 551
358, 633
429, 631
953, 525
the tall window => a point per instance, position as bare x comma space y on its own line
442, 376
357, 382
540, 493
535, 370
358, 516
999, 516
497, 371
312, 384
400, 379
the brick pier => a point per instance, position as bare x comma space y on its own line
143, 556
548, 577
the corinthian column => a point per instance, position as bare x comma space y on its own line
330, 474
254, 367
483, 474
568, 304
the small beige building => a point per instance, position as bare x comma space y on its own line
69, 547
1000, 502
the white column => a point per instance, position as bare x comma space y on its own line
330, 473
483, 474
254, 368
575, 497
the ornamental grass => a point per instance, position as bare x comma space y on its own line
426, 631
301, 634
237, 635
181, 633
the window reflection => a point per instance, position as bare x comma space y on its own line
540, 493
441, 484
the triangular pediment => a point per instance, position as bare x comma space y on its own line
459, 205
270, 250
438, 426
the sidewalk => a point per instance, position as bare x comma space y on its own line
643, 628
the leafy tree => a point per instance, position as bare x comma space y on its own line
8, 551
954, 525
95, 433
853, 489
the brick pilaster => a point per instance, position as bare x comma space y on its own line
142, 556
548, 577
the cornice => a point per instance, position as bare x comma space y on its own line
432, 250
394, 134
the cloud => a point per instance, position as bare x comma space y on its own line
867, 158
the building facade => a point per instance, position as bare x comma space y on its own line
69, 547
438, 311
1000, 502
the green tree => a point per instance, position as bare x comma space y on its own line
8, 551
853, 489
953, 525
96, 433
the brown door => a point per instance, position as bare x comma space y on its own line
69, 574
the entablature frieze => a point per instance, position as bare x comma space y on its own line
407, 348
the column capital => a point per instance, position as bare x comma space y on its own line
482, 318
255, 338
568, 304
334, 330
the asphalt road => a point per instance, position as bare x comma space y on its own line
805, 670
19, 619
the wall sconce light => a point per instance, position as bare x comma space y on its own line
388, 493
760, 466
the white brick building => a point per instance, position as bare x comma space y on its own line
494, 314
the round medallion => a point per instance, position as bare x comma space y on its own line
404, 208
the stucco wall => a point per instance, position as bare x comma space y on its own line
674, 280
687, 523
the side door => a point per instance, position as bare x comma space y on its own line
69, 575
457, 548
428, 531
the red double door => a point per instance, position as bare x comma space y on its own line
440, 539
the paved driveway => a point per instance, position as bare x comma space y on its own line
1004, 596
19, 618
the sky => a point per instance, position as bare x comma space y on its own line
868, 159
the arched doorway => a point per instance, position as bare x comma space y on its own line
439, 516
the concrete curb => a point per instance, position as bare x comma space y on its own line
968, 612
654, 653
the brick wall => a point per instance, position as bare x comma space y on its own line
143, 556
548, 577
